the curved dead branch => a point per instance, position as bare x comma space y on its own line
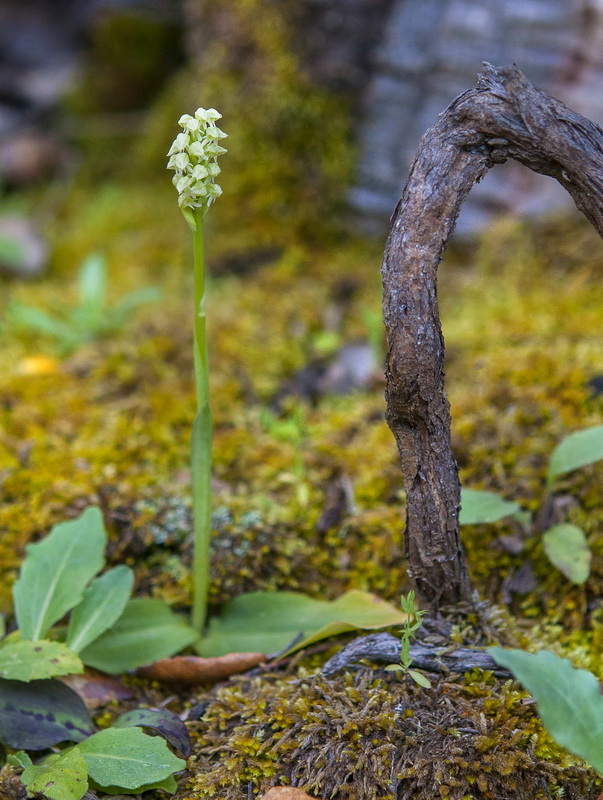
505, 116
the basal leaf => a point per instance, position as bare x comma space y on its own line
26, 660
56, 571
92, 282
126, 305
566, 547
38, 320
64, 778
129, 758
168, 785
103, 603
479, 507
165, 722
569, 700
146, 631
40, 714
267, 622
577, 450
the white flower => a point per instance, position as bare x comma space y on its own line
197, 149
193, 157
201, 171
207, 114
189, 123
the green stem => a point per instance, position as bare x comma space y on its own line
201, 442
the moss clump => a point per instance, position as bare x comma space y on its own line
369, 735
128, 59
290, 153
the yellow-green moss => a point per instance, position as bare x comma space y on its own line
522, 318
370, 735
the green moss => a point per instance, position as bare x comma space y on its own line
370, 735
522, 317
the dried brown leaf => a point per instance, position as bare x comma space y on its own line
97, 690
194, 670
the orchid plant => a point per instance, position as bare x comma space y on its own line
193, 156
265, 622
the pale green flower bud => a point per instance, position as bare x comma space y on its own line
214, 149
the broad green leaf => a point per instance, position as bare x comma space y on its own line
566, 547
168, 785
484, 507
162, 720
146, 631
26, 660
103, 603
65, 778
129, 758
92, 283
577, 450
56, 571
267, 622
569, 700
40, 714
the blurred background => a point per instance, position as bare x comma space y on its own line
324, 103
324, 100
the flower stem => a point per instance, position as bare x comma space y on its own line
201, 441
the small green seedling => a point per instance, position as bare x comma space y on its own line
412, 623
569, 700
564, 544
91, 318
293, 429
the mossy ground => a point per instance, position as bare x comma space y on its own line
522, 311
112, 427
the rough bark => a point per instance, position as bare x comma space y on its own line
385, 648
504, 117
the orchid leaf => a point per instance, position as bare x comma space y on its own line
268, 622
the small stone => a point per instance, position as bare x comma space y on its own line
23, 252
30, 156
286, 793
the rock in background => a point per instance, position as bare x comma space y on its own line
398, 63
431, 51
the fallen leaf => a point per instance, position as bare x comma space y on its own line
97, 690
285, 793
194, 670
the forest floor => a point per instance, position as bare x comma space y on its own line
109, 424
